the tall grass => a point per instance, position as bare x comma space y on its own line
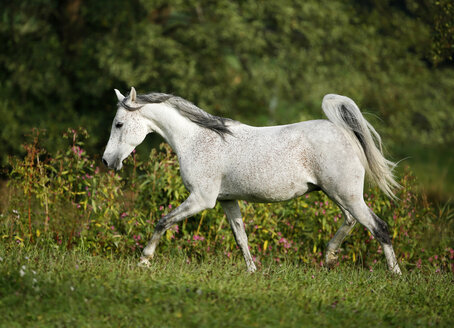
65, 200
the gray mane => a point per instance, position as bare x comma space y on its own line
186, 108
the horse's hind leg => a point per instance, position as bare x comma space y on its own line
233, 213
375, 225
336, 241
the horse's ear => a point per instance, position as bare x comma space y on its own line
132, 95
119, 95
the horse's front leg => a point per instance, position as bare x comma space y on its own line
233, 213
191, 206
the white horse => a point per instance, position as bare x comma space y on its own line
224, 160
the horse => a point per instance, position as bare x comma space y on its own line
223, 160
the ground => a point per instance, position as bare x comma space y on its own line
56, 288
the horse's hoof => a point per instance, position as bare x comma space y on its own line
396, 270
330, 260
144, 263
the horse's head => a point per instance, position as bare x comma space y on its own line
129, 129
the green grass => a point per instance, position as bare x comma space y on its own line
54, 288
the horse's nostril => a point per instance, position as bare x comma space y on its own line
105, 162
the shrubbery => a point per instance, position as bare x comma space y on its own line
66, 200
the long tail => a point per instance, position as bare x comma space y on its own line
343, 112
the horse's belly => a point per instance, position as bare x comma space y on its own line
259, 188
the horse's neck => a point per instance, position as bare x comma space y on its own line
177, 130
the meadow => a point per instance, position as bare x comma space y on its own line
71, 234
54, 287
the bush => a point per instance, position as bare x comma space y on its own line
66, 200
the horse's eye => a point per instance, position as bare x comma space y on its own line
118, 125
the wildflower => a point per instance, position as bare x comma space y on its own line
161, 208
123, 215
22, 270
170, 206
418, 264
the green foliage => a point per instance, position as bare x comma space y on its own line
65, 200
259, 61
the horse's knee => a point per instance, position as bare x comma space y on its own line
161, 225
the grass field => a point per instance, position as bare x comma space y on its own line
55, 288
